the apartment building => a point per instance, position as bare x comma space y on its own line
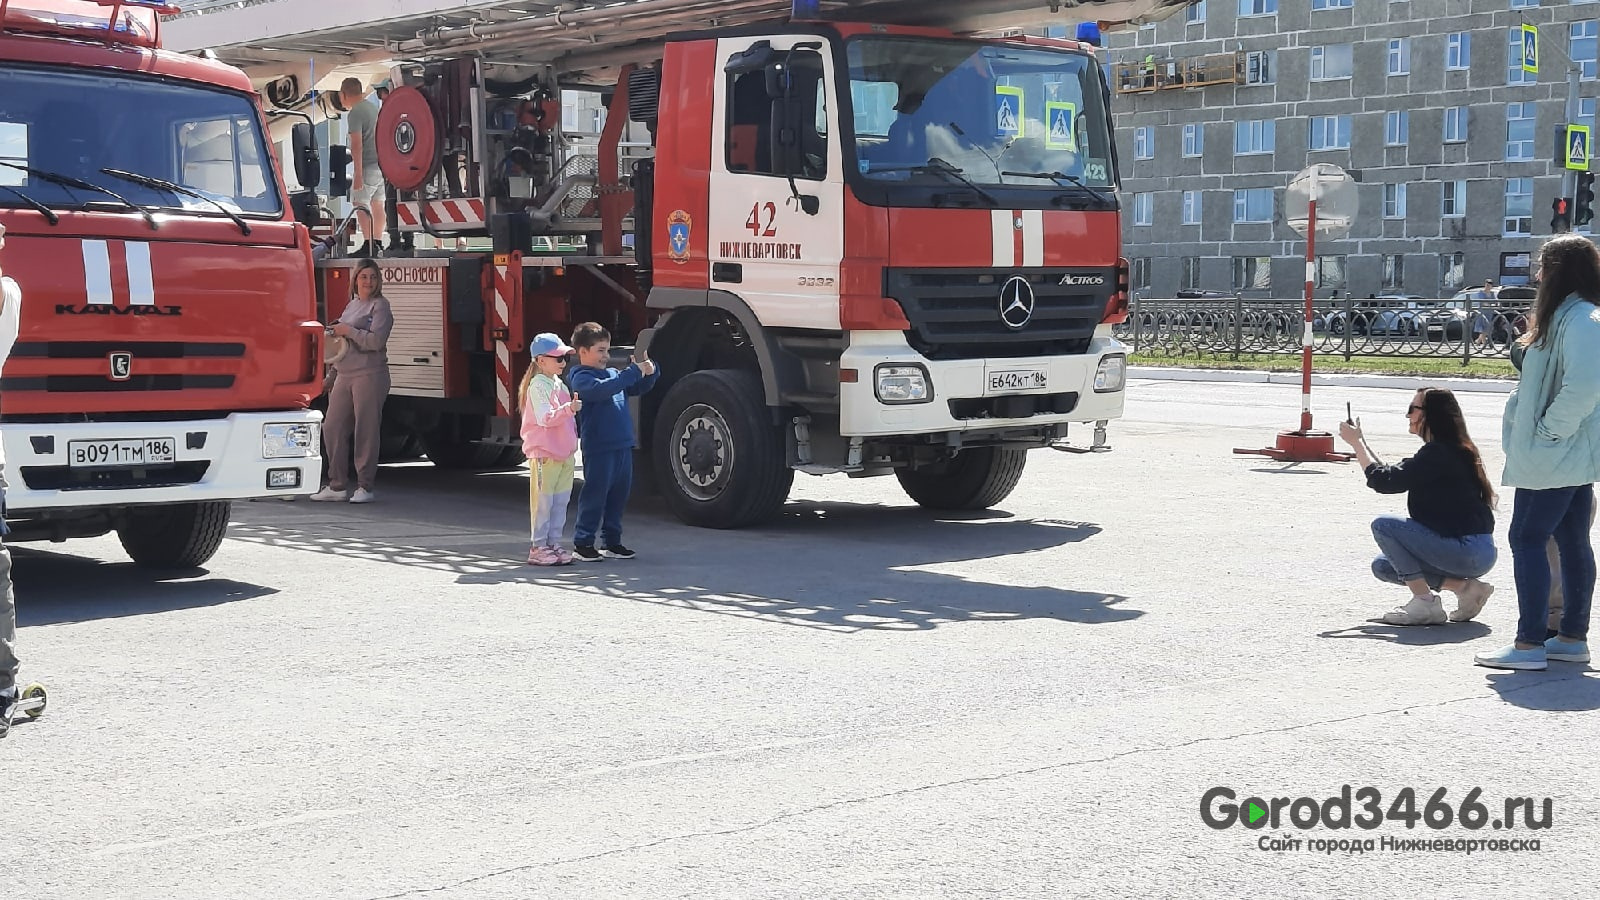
1426, 101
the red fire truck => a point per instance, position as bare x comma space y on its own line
884, 245
169, 348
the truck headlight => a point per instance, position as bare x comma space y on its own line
1111, 375
290, 441
903, 384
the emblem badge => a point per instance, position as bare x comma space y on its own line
121, 365
1016, 302
405, 136
679, 228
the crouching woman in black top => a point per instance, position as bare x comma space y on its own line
1448, 540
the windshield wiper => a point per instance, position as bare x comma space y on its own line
1059, 177
162, 184
47, 212
79, 184
937, 166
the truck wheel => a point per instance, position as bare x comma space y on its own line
510, 457
463, 454
175, 536
719, 462
976, 478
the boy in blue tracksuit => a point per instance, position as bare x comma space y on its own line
605, 432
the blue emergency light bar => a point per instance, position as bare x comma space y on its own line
1089, 33
806, 9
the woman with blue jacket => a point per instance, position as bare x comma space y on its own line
1551, 435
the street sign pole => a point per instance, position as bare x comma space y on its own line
1569, 178
1311, 282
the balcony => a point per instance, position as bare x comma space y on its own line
1143, 77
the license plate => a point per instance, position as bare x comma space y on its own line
131, 452
1006, 380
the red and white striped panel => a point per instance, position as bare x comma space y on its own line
503, 286
443, 215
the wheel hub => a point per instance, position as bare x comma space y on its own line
704, 453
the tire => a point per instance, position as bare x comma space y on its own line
510, 458
976, 478
718, 462
176, 536
397, 445
465, 455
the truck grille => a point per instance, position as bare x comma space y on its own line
64, 478
77, 384
955, 313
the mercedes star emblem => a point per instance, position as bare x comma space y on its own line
1016, 302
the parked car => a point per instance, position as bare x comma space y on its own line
1506, 314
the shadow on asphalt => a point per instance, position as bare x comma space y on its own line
58, 589
1414, 635
1564, 687
844, 567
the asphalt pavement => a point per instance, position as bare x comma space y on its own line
860, 700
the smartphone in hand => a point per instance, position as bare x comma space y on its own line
1349, 415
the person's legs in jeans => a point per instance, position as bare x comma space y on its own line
1577, 565
617, 497
597, 476
337, 426
1534, 519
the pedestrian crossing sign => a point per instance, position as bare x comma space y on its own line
1060, 117
1007, 112
1530, 49
1577, 144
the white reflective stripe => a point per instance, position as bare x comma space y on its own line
1005, 244
141, 284
1033, 237
1305, 338
1311, 272
1305, 403
97, 272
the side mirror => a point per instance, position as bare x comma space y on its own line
306, 208
758, 57
307, 162
339, 171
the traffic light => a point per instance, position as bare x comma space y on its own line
1561, 220
1583, 209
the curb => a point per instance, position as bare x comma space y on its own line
1250, 376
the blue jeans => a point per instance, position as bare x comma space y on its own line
607, 481
1561, 513
1413, 550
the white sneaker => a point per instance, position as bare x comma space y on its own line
362, 495
329, 493
1470, 600
1427, 610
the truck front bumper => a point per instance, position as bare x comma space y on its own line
89, 464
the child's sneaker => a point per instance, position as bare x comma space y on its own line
563, 554
585, 553
8, 708
617, 551
542, 556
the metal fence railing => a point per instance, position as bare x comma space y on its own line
1348, 328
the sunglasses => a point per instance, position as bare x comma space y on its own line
1413, 408
559, 359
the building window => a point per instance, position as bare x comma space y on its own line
1458, 51
1394, 201
1144, 143
1330, 132
1140, 273
1252, 273
1524, 4
1514, 72
1455, 125
1143, 209
1331, 62
1394, 272
1400, 56
1194, 140
1453, 271
1519, 131
1189, 276
1330, 271
1191, 207
1258, 67
1195, 13
1258, 7
1254, 136
1519, 207
1455, 200
1396, 128
1582, 49
1331, 4
1253, 205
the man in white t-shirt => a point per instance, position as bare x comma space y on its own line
10, 316
366, 182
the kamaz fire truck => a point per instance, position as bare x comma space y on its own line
857, 238
169, 347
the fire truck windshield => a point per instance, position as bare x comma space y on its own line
68, 126
1013, 116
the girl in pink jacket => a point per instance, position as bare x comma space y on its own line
550, 441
